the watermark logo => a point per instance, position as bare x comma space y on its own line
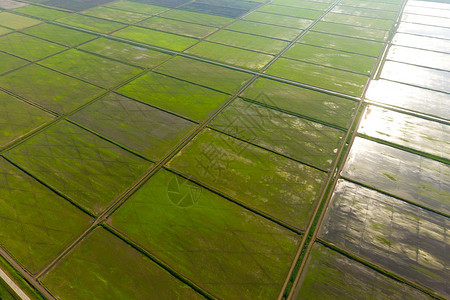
182, 192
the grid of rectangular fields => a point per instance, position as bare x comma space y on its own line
224, 149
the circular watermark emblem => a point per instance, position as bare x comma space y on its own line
183, 193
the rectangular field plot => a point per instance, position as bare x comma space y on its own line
291, 11
137, 7
419, 57
28, 47
287, 21
382, 5
320, 106
178, 27
324, 77
80, 165
307, 141
137, 126
59, 34
95, 271
231, 55
248, 41
41, 12
343, 43
421, 42
35, 223
215, 9
365, 12
14, 21
267, 30
75, 5
409, 97
4, 30
417, 76
400, 173
332, 58
198, 18
156, 38
50, 89
115, 15
127, 53
205, 74
9, 62
359, 21
322, 5
275, 185
206, 238
90, 23
403, 238
101, 71
406, 130
176, 96
331, 275
351, 31
18, 118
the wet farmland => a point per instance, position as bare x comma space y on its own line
224, 149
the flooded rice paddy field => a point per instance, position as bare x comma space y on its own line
225, 149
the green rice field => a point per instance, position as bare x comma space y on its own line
224, 149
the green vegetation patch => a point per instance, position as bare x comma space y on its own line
92, 68
125, 52
406, 175
41, 12
28, 47
115, 15
90, 23
351, 31
307, 141
59, 34
82, 166
5, 292
198, 18
248, 41
35, 223
231, 55
382, 5
139, 127
180, 97
332, 58
381, 228
331, 275
322, 5
365, 12
271, 31
359, 21
156, 38
316, 105
14, 21
9, 62
18, 118
275, 185
206, 238
291, 11
4, 30
50, 89
137, 7
343, 43
406, 130
335, 80
178, 27
273, 19
206, 74
94, 271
